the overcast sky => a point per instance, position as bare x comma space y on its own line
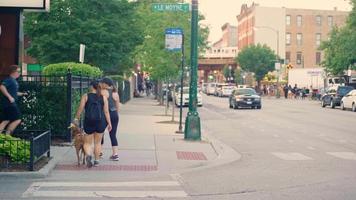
218, 12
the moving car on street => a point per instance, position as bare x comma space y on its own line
334, 95
218, 88
226, 90
245, 98
185, 101
210, 90
349, 101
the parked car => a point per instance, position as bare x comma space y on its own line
244, 98
334, 95
218, 88
185, 101
226, 90
210, 90
204, 87
349, 101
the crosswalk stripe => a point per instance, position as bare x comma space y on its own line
105, 184
291, 156
110, 194
343, 155
76, 189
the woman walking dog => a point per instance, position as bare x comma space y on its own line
96, 120
110, 92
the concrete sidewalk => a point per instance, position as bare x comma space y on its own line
147, 143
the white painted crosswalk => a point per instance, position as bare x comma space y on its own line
157, 189
291, 156
295, 156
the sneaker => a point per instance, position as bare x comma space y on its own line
89, 163
96, 163
114, 157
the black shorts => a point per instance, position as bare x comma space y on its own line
91, 127
11, 113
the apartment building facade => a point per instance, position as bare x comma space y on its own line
294, 34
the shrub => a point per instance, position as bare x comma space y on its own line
61, 69
17, 149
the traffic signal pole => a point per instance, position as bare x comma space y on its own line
192, 129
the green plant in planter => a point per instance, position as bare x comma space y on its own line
17, 149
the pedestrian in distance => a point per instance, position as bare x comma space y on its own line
96, 120
285, 90
290, 92
110, 92
11, 112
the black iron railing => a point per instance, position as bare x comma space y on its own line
24, 149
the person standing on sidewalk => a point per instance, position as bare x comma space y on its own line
96, 120
110, 92
11, 112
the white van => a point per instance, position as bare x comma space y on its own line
210, 90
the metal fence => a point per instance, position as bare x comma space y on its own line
124, 91
25, 149
52, 102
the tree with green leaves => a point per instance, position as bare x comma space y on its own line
152, 55
258, 59
340, 51
109, 29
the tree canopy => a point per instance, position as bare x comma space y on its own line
109, 29
258, 59
340, 51
152, 54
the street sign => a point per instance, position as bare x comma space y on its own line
81, 53
170, 7
174, 39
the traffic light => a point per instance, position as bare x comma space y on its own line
289, 66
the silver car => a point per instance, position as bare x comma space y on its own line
349, 101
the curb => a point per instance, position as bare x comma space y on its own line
225, 154
44, 171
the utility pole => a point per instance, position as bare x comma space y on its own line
181, 89
192, 129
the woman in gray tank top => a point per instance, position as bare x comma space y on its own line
112, 95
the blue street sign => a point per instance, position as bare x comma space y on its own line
174, 39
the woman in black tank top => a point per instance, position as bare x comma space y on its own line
97, 119
112, 95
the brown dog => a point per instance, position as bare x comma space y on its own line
78, 138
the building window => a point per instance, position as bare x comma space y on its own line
288, 20
318, 20
318, 58
330, 21
288, 36
318, 39
287, 57
299, 58
299, 39
299, 20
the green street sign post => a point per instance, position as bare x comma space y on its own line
192, 129
170, 7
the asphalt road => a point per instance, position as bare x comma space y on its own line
291, 149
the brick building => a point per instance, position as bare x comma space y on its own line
295, 34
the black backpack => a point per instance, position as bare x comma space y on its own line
94, 109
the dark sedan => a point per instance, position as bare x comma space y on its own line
334, 95
244, 98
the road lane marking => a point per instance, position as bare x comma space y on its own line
170, 189
105, 184
343, 155
291, 156
111, 194
311, 148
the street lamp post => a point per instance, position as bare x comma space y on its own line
192, 129
277, 57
